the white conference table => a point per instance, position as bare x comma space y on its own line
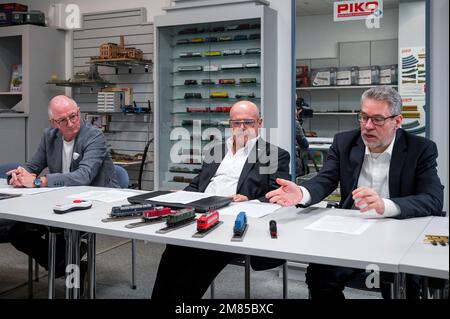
426, 259
384, 244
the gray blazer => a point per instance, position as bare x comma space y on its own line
92, 166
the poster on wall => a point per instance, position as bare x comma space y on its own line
412, 88
412, 71
413, 111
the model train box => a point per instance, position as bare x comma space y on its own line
347, 76
323, 77
8, 9
31, 17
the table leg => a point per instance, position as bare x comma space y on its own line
69, 260
399, 286
91, 264
51, 264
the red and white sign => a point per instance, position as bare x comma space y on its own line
357, 10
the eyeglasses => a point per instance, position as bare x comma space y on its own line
376, 120
246, 123
72, 117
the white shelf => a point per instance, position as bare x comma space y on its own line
337, 87
335, 113
10, 93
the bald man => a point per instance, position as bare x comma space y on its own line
244, 168
75, 154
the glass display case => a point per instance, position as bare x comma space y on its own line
202, 69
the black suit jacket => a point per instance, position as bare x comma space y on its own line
413, 181
257, 178
258, 174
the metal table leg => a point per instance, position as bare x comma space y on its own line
76, 259
285, 281
399, 286
51, 264
133, 264
247, 277
91, 264
69, 261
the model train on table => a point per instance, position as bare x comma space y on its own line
207, 221
180, 217
240, 224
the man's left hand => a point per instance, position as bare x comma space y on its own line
239, 198
366, 199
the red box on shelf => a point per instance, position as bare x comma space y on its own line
301, 71
7, 9
13, 7
302, 81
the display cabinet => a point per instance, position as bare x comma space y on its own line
201, 70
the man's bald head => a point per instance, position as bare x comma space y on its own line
61, 104
244, 109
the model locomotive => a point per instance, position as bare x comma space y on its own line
180, 216
130, 210
207, 221
240, 224
156, 213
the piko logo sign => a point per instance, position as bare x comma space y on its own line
64, 16
357, 10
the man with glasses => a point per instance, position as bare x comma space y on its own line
380, 168
244, 168
75, 154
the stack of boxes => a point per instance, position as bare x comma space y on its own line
16, 13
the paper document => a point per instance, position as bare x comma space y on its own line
7, 189
341, 224
104, 196
253, 208
3, 182
181, 197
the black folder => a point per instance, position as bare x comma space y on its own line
202, 205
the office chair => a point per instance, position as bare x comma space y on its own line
6, 224
123, 179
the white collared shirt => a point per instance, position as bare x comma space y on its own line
375, 175
225, 180
67, 155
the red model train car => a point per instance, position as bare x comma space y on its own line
158, 212
206, 221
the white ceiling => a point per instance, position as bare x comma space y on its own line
317, 7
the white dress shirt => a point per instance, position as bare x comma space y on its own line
375, 175
225, 180
67, 155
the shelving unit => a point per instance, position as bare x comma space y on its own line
23, 115
184, 39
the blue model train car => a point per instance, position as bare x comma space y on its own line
240, 224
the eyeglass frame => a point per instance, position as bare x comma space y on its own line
66, 119
238, 123
372, 118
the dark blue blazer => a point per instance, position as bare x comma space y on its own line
413, 181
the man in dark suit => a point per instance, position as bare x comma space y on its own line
379, 167
244, 168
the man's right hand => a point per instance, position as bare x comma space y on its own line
15, 173
288, 194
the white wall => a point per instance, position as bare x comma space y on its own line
438, 88
317, 36
283, 8
153, 6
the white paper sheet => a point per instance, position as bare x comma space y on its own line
252, 208
7, 189
181, 197
3, 182
104, 196
341, 224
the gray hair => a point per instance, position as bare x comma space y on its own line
387, 94
50, 113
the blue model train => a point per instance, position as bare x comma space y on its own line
240, 224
